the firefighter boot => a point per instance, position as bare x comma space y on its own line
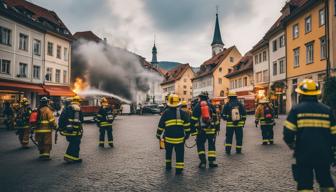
212, 164
101, 144
228, 150
179, 172
202, 165
111, 145
239, 151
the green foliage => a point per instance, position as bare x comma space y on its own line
329, 92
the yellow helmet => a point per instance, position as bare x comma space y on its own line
173, 100
308, 87
184, 104
24, 101
232, 94
104, 101
76, 99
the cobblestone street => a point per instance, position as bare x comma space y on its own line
137, 164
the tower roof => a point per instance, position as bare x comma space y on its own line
217, 38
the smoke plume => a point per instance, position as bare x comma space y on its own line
111, 69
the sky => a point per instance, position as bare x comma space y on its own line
183, 28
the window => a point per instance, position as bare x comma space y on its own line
309, 53
296, 53
58, 55
23, 42
50, 49
65, 76
274, 45
231, 84
58, 76
240, 83
282, 66
282, 41
265, 76
256, 59
259, 77
323, 46
5, 36
264, 56
5, 66
322, 17
275, 68
260, 57
49, 73
184, 92
37, 47
295, 31
245, 81
308, 24
236, 84
23, 70
36, 72
231, 59
184, 86
66, 55
219, 80
220, 69
294, 94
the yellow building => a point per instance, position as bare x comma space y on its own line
306, 44
178, 81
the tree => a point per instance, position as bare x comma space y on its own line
329, 93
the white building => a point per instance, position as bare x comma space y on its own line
25, 31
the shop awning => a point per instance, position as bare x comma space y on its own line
18, 86
64, 91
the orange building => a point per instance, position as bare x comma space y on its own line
306, 48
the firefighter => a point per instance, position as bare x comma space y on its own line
265, 116
235, 116
104, 119
22, 122
45, 124
184, 107
175, 126
310, 130
205, 125
70, 123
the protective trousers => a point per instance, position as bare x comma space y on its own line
267, 133
305, 177
24, 136
102, 131
179, 151
202, 137
44, 143
72, 152
230, 131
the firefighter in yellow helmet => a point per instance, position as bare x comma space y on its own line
71, 126
184, 107
104, 119
265, 116
235, 116
22, 122
43, 132
175, 125
310, 130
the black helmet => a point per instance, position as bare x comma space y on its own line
44, 100
204, 95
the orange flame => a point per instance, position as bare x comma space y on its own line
79, 85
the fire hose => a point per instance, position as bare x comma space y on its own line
32, 137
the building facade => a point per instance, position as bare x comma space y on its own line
306, 46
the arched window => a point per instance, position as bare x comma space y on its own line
222, 93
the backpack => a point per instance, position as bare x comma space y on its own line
268, 113
235, 114
205, 113
33, 119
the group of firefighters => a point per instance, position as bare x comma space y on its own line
41, 122
310, 131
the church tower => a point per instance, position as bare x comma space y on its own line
217, 43
154, 55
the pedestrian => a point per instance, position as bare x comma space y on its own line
205, 125
104, 119
265, 116
22, 122
175, 127
9, 115
70, 125
235, 116
310, 130
45, 124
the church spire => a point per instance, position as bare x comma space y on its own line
217, 43
154, 53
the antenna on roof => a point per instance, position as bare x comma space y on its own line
154, 38
217, 9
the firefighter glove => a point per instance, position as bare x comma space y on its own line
158, 137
